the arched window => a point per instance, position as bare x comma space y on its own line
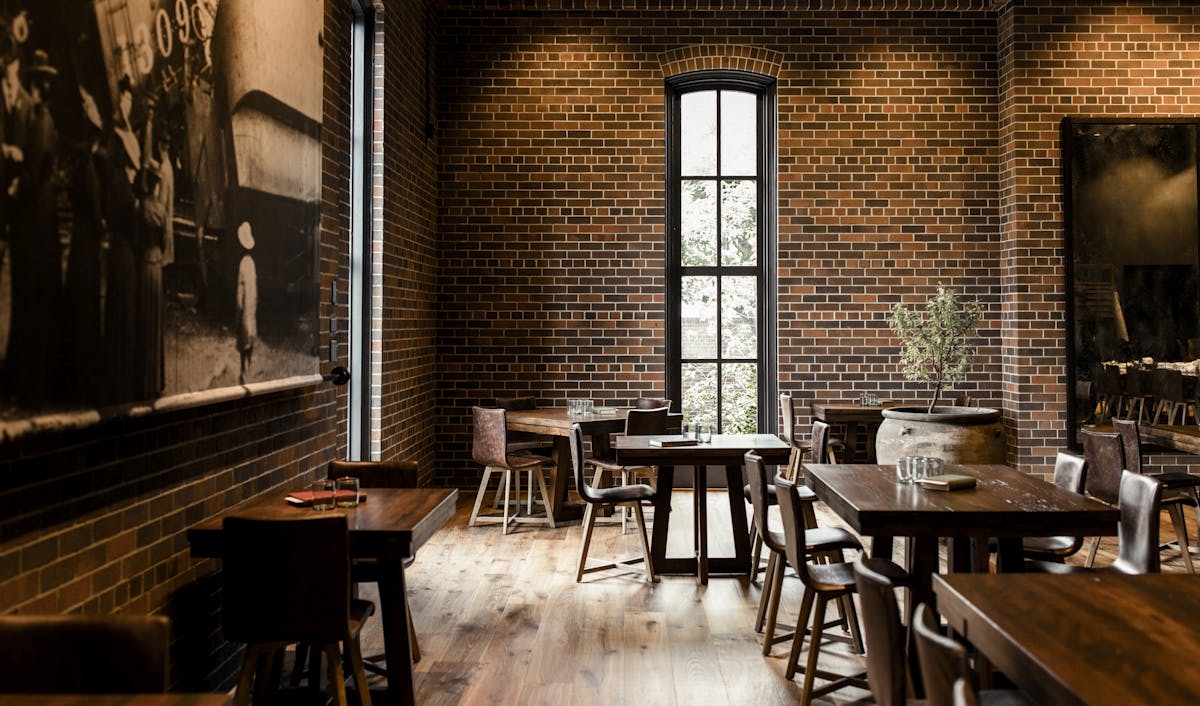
721, 248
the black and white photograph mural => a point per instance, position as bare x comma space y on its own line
159, 198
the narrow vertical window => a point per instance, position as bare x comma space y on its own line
720, 250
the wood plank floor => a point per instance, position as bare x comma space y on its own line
501, 620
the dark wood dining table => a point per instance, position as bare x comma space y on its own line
861, 422
114, 699
556, 423
1005, 504
1176, 437
727, 450
1099, 639
389, 527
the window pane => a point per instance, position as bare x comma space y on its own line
739, 398
699, 392
739, 317
698, 223
698, 317
739, 134
739, 222
698, 133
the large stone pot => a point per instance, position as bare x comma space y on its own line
954, 434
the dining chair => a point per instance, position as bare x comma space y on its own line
1105, 456
523, 443
84, 654
1140, 499
489, 449
883, 633
639, 421
825, 541
1179, 487
822, 583
944, 662
964, 693
632, 495
1070, 473
651, 403
264, 563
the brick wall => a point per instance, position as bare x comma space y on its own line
94, 520
552, 188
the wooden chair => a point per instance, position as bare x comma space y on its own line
1140, 498
1179, 487
883, 633
1105, 461
490, 450
822, 583
944, 662
631, 495
828, 542
84, 654
523, 443
1070, 473
639, 421
265, 562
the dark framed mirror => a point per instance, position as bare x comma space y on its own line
1133, 266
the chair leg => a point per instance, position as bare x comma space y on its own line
337, 678
262, 678
640, 519
354, 652
412, 632
849, 612
487, 474
801, 628
774, 588
1091, 557
241, 696
624, 510
541, 481
764, 596
814, 650
507, 483
1175, 510
755, 552
589, 521
298, 664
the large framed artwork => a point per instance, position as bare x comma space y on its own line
1133, 264
159, 203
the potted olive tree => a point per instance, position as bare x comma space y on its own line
937, 347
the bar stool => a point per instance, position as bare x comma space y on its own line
944, 661
490, 450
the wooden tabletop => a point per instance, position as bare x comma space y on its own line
1093, 639
841, 412
723, 450
1005, 503
393, 521
114, 699
1182, 438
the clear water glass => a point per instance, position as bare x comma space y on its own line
347, 491
323, 497
904, 469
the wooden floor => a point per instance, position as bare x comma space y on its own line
501, 620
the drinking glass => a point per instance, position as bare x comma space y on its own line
705, 434
934, 466
323, 498
918, 467
904, 469
347, 491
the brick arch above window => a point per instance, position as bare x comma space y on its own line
709, 57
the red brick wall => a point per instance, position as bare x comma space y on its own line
551, 193
94, 520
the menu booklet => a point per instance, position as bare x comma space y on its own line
304, 498
948, 481
675, 440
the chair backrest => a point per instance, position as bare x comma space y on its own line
640, 422
943, 661
516, 403
1070, 471
377, 474
651, 403
820, 442
489, 442
788, 415
791, 511
1131, 443
964, 693
756, 477
581, 485
84, 654
1137, 534
884, 636
1105, 460
286, 580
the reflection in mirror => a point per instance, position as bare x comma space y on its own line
1132, 249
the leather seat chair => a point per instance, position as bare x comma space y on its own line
1070, 473
631, 495
639, 421
827, 542
264, 564
944, 662
490, 450
1140, 498
1178, 487
822, 583
84, 654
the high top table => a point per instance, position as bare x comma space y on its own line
726, 450
1098, 638
556, 423
389, 527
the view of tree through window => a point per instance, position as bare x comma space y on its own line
717, 194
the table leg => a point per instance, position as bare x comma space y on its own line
662, 526
734, 481
1011, 557
396, 646
700, 498
563, 475
881, 547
